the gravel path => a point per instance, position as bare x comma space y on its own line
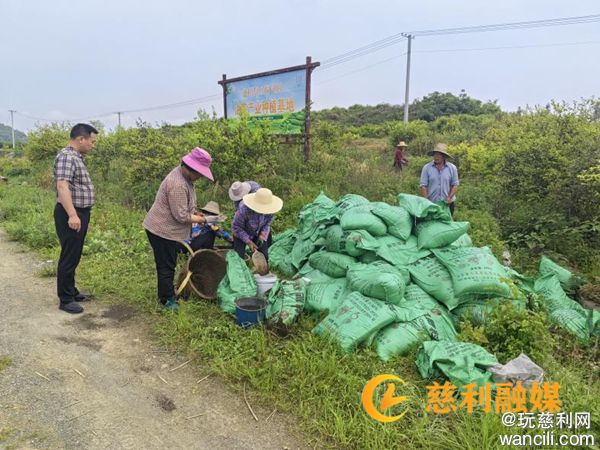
93, 381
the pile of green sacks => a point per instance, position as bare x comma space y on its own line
396, 276
372, 268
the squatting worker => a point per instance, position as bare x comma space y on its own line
75, 198
170, 218
252, 222
439, 178
238, 189
203, 236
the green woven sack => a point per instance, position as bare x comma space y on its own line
474, 271
574, 321
553, 295
400, 253
403, 271
435, 234
302, 249
401, 337
415, 297
356, 319
280, 252
354, 242
433, 277
361, 218
347, 202
461, 362
313, 275
398, 220
238, 282
286, 301
566, 312
463, 241
320, 211
381, 281
326, 296
333, 264
566, 278
422, 208
370, 257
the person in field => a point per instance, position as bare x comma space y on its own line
439, 178
75, 197
169, 220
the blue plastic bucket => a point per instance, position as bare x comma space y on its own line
250, 311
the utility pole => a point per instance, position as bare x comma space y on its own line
119, 115
12, 126
410, 38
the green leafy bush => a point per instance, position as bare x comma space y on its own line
12, 167
509, 331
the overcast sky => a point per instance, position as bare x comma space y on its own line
79, 59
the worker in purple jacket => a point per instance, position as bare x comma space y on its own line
252, 222
238, 189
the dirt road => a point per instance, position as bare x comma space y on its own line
97, 380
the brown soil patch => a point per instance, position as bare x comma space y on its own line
87, 321
119, 312
82, 342
165, 403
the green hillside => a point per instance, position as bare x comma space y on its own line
6, 137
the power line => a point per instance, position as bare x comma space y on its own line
150, 108
512, 26
362, 69
395, 38
564, 44
42, 119
193, 101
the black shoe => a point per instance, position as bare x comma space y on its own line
83, 297
71, 307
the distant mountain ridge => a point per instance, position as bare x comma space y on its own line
6, 135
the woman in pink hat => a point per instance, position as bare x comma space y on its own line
170, 218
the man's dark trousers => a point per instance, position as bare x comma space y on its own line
71, 244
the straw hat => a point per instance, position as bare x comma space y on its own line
440, 148
238, 189
212, 207
199, 160
263, 202
401, 144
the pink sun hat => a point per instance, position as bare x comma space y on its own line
199, 160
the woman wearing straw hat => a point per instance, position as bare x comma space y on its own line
170, 218
439, 178
203, 236
238, 189
252, 221
400, 156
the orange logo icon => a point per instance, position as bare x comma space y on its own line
388, 400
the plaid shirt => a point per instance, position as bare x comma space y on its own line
248, 225
69, 165
169, 216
